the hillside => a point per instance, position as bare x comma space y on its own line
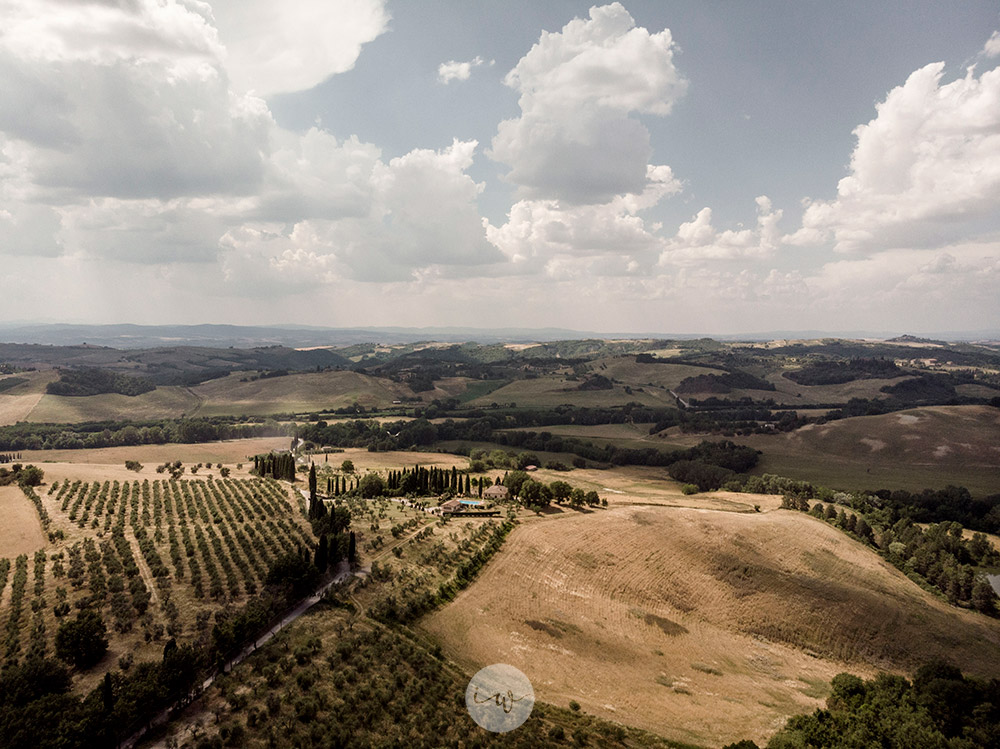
915, 449
224, 396
701, 625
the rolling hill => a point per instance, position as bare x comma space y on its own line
704, 626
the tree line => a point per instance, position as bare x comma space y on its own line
939, 708
28, 436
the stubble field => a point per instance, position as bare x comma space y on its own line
704, 626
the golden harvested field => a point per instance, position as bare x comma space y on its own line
393, 459
20, 531
229, 452
701, 625
164, 402
19, 401
226, 396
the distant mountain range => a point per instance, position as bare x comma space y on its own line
127, 336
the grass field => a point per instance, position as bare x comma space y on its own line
295, 393
704, 626
226, 396
665, 376
554, 391
18, 402
162, 403
915, 449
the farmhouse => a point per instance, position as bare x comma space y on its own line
451, 506
495, 492
467, 508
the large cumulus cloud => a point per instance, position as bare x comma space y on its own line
576, 139
924, 172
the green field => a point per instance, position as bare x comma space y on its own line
922, 448
546, 392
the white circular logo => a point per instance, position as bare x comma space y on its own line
499, 698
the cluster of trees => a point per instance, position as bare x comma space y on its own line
9, 457
29, 436
38, 708
537, 494
941, 556
275, 465
927, 389
20, 474
724, 383
92, 381
953, 503
475, 424
939, 708
8, 383
836, 372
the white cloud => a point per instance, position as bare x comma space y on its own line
606, 238
458, 71
924, 172
575, 140
126, 100
698, 240
992, 47
295, 44
420, 212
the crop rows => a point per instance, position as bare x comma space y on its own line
215, 538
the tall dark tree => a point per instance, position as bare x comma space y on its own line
321, 558
82, 641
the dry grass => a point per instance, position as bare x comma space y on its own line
776, 602
226, 396
628, 370
230, 451
162, 403
295, 393
18, 402
20, 532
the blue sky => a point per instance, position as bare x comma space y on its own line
711, 167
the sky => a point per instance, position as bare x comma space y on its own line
693, 166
